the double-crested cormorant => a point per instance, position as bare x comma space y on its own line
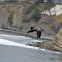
37, 30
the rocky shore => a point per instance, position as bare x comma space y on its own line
55, 45
46, 45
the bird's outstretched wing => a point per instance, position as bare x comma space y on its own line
32, 29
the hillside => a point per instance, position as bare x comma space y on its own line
8, 12
23, 16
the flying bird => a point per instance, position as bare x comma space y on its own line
37, 30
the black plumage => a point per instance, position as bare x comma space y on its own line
37, 30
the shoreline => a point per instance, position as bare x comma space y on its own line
47, 46
20, 32
42, 45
